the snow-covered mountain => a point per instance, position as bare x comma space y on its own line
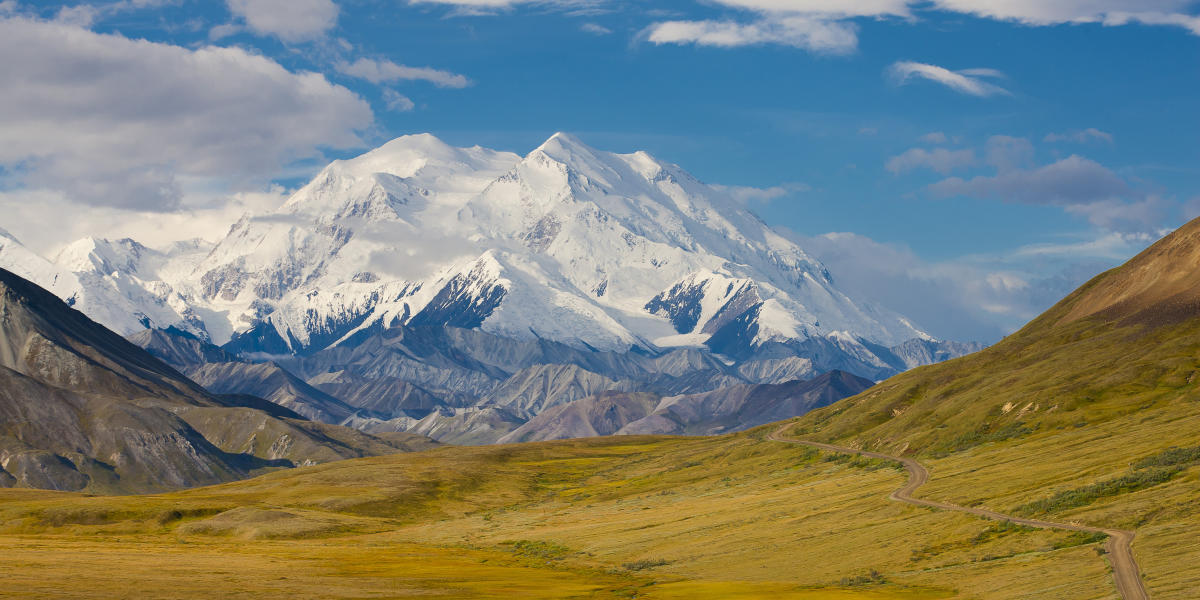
593, 249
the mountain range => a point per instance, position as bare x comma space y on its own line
422, 286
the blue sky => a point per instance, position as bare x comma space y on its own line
992, 158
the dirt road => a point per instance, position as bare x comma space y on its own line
1125, 570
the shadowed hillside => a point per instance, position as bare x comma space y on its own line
82, 408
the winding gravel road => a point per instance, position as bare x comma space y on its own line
1125, 569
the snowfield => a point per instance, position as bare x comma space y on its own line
593, 249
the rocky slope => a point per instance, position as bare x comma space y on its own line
723, 410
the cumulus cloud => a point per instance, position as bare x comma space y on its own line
1072, 180
29, 213
941, 160
115, 121
1091, 134
1080, 186
386, 71
966, 81
289, 20
815, 34
397, 101
82, 15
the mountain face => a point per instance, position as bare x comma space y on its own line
723, 410
570, 244
422, 283
82, 408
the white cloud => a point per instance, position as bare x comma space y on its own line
1080, 186
968, 81
397, 101
289, 20
221, 32
1112, 246
82, 15
830, 24
386, 71
595, 28
491, 7
32, 216
114, 121
935, 137
833, 8
1107, 12
810, 33
978, 298
1091, 134
1072, 180
1006, 152
1138, 217
748, 194
941, 160
474, 3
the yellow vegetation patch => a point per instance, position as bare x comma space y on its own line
727, 517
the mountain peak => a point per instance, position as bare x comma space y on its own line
564, 147
105, 255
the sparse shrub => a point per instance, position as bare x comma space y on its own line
998, 529
1170, 457
1080, 538
539, 549
642, 565
1088, 494
872, 578
984, 434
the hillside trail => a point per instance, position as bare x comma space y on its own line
1125, 569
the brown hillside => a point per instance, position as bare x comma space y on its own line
1160, 286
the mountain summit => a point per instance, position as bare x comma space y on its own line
590, 248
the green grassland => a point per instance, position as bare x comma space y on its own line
647, 517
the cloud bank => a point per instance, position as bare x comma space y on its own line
115, 121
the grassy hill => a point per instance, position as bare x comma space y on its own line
1089, 413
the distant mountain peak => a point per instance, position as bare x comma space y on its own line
592, 247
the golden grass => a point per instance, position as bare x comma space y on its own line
728, 517
1050, 410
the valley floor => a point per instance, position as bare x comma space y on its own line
631, 517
